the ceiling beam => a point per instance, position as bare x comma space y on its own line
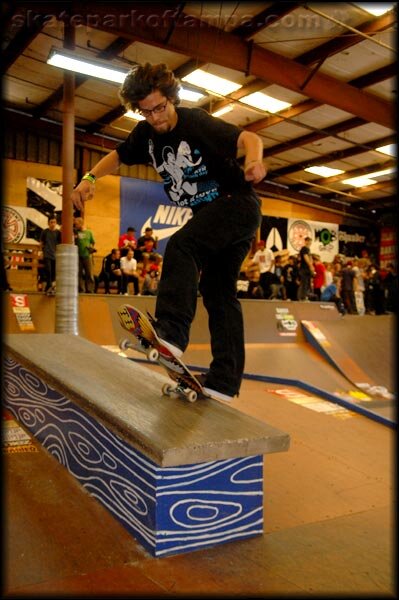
268, 188
333, 156
323, 51
206, 43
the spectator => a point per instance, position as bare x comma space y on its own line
49, 239
290, 274
151, 281
264, 258
85, 241
110, 271
146, 246
319, 280
129, 272
359, 287
348, 288
127, 240
331, 294
375, 301
277, 286
306, 270
390, 285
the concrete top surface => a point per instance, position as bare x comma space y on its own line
126, 397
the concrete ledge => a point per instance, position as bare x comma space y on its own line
127, 398
178, 476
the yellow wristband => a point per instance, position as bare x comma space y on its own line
89, 177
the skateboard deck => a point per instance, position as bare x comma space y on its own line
148, 342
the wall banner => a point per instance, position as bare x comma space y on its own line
20, 307
387, 247
273, 231
324, 237
145, 204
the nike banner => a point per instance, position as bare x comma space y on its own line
145, 204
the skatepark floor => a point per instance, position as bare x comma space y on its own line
328, 512
329, 516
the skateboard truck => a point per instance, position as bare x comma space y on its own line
152, 354
168, 389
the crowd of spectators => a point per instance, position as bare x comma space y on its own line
357, 285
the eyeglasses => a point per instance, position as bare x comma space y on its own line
157, 110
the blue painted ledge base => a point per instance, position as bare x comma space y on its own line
169, 510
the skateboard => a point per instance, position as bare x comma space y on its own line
147, 341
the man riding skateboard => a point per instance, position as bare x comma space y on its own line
195, 154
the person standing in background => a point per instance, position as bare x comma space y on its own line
49, 239
85, 242
306, 270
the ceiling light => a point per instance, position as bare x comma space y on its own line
185, 94
68, 60
389, 149
131, 114
65, 59
383, 172
324, 171
361, 181
222, 111
375, 9
211, 83
264, 102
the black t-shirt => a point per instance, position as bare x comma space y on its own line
196, 159
50, 238
303, 265
111, 263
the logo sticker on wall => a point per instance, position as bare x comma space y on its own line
13, 226
286, 322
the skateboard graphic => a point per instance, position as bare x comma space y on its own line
148, 342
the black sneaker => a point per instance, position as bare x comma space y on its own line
212, 392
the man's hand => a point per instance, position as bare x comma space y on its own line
255, 171
84, 191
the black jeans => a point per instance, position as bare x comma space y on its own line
49, 265
207, 254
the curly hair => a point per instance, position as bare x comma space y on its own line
145, 79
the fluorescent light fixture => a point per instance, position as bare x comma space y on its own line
364, 180
68, 60
190, 95
361, 181
324, 171
389, 149
211, 83
374, 8
222, 111
264, 102
130, 114
382, 173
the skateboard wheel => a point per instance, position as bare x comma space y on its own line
152, 355
167, 389
124, 344
191, 396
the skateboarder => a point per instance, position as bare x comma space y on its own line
195, 154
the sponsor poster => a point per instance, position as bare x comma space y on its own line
145, 204
361, 242
287, 325
15, 439
387, 246
274, 232
20, 307
324, 237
